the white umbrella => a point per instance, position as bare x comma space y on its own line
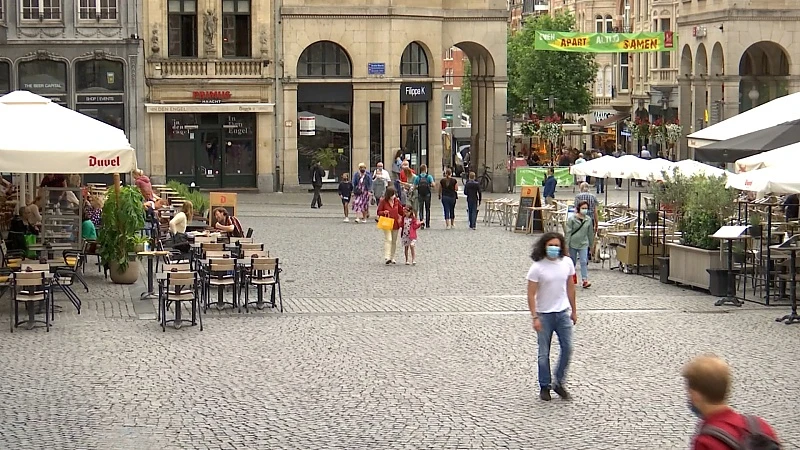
775, 180
690, 168
626, 166
598, 168
39, 136
784, 155
652, 168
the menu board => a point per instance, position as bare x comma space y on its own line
529, 198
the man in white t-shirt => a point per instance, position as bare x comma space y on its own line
551, 299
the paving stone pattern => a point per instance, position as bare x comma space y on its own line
435, 356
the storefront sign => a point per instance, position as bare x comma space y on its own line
106, 98
308, 125
39, 86
561, 41
210, 108
375, 68
416, 92
600, 116
211, 95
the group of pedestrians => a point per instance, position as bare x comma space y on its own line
553, 306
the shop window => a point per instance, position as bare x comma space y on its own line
102, 75
239, 144
324, 59
414, 61
414, 132
41, 9
5, 77
97, 10
182, 26
375, 134
235, 28
44, 77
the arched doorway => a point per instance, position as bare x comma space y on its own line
700, 87
763, 69
415, 99
324, 110
488, 142
717, 89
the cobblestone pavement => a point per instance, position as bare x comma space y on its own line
435, 356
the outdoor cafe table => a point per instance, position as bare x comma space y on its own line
196, 225
150, 257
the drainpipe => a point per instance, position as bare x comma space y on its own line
277, 84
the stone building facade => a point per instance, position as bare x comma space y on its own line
83, 55
734, 58
249, 94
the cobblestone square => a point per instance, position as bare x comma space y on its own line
435, 356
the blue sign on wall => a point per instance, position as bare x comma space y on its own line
375, 68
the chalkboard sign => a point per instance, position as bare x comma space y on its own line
528, 198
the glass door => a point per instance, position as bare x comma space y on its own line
208, 159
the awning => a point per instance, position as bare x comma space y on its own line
611, 121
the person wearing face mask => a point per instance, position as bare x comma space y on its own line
708, 382
580, 234
551, 300
362, 186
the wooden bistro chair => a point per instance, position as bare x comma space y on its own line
29, 288
263, 272
219, 274
180, 287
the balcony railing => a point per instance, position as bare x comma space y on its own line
601, 102
207, 68
664, 76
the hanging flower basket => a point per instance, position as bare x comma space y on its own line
551, 129
673, 133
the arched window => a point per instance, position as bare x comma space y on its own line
414, 61
324, 59
598, 24
609, 24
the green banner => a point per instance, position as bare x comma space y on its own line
534, 176
562, 41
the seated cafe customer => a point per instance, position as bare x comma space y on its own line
227, 223
178, 223
88, 231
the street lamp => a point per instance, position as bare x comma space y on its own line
753, 95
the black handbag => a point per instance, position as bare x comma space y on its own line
180, 242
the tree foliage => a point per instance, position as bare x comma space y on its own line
537, 75
466, 89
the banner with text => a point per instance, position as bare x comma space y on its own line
562, 41
534, 176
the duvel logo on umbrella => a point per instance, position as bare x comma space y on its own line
99, 162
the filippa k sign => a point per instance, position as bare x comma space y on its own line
416, 92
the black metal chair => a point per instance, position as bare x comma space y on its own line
249, 233
263, 272
63, 279
30, 288
179, 287
73, 260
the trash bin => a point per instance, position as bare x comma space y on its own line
719, 282
663, 269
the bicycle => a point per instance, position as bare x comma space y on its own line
485, 178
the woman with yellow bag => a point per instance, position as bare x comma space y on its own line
389, 212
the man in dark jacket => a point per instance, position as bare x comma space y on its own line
317, 174
549, 191
472, 189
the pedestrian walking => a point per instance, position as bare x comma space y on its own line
551, 299
708, 384
448, 194
317, 174
617, 153
580, 237
549, 187
380, 179
580, 178
397, 165
390, 207
408, 235
472, 190
422, 184
345, 193
362, 185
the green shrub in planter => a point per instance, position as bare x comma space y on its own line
199, 200
123, 217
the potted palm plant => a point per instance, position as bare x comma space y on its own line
755, 225
123, 218
327, 158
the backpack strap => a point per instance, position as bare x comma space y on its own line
753, 426
722, 436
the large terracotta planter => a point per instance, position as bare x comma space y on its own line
127, 277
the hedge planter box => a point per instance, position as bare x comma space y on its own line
689, 265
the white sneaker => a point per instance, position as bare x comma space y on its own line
346, 219
447, 227
357, 221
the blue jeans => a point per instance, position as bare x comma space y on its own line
561, 324
449, 205
600, 185
583, 254
472, 212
